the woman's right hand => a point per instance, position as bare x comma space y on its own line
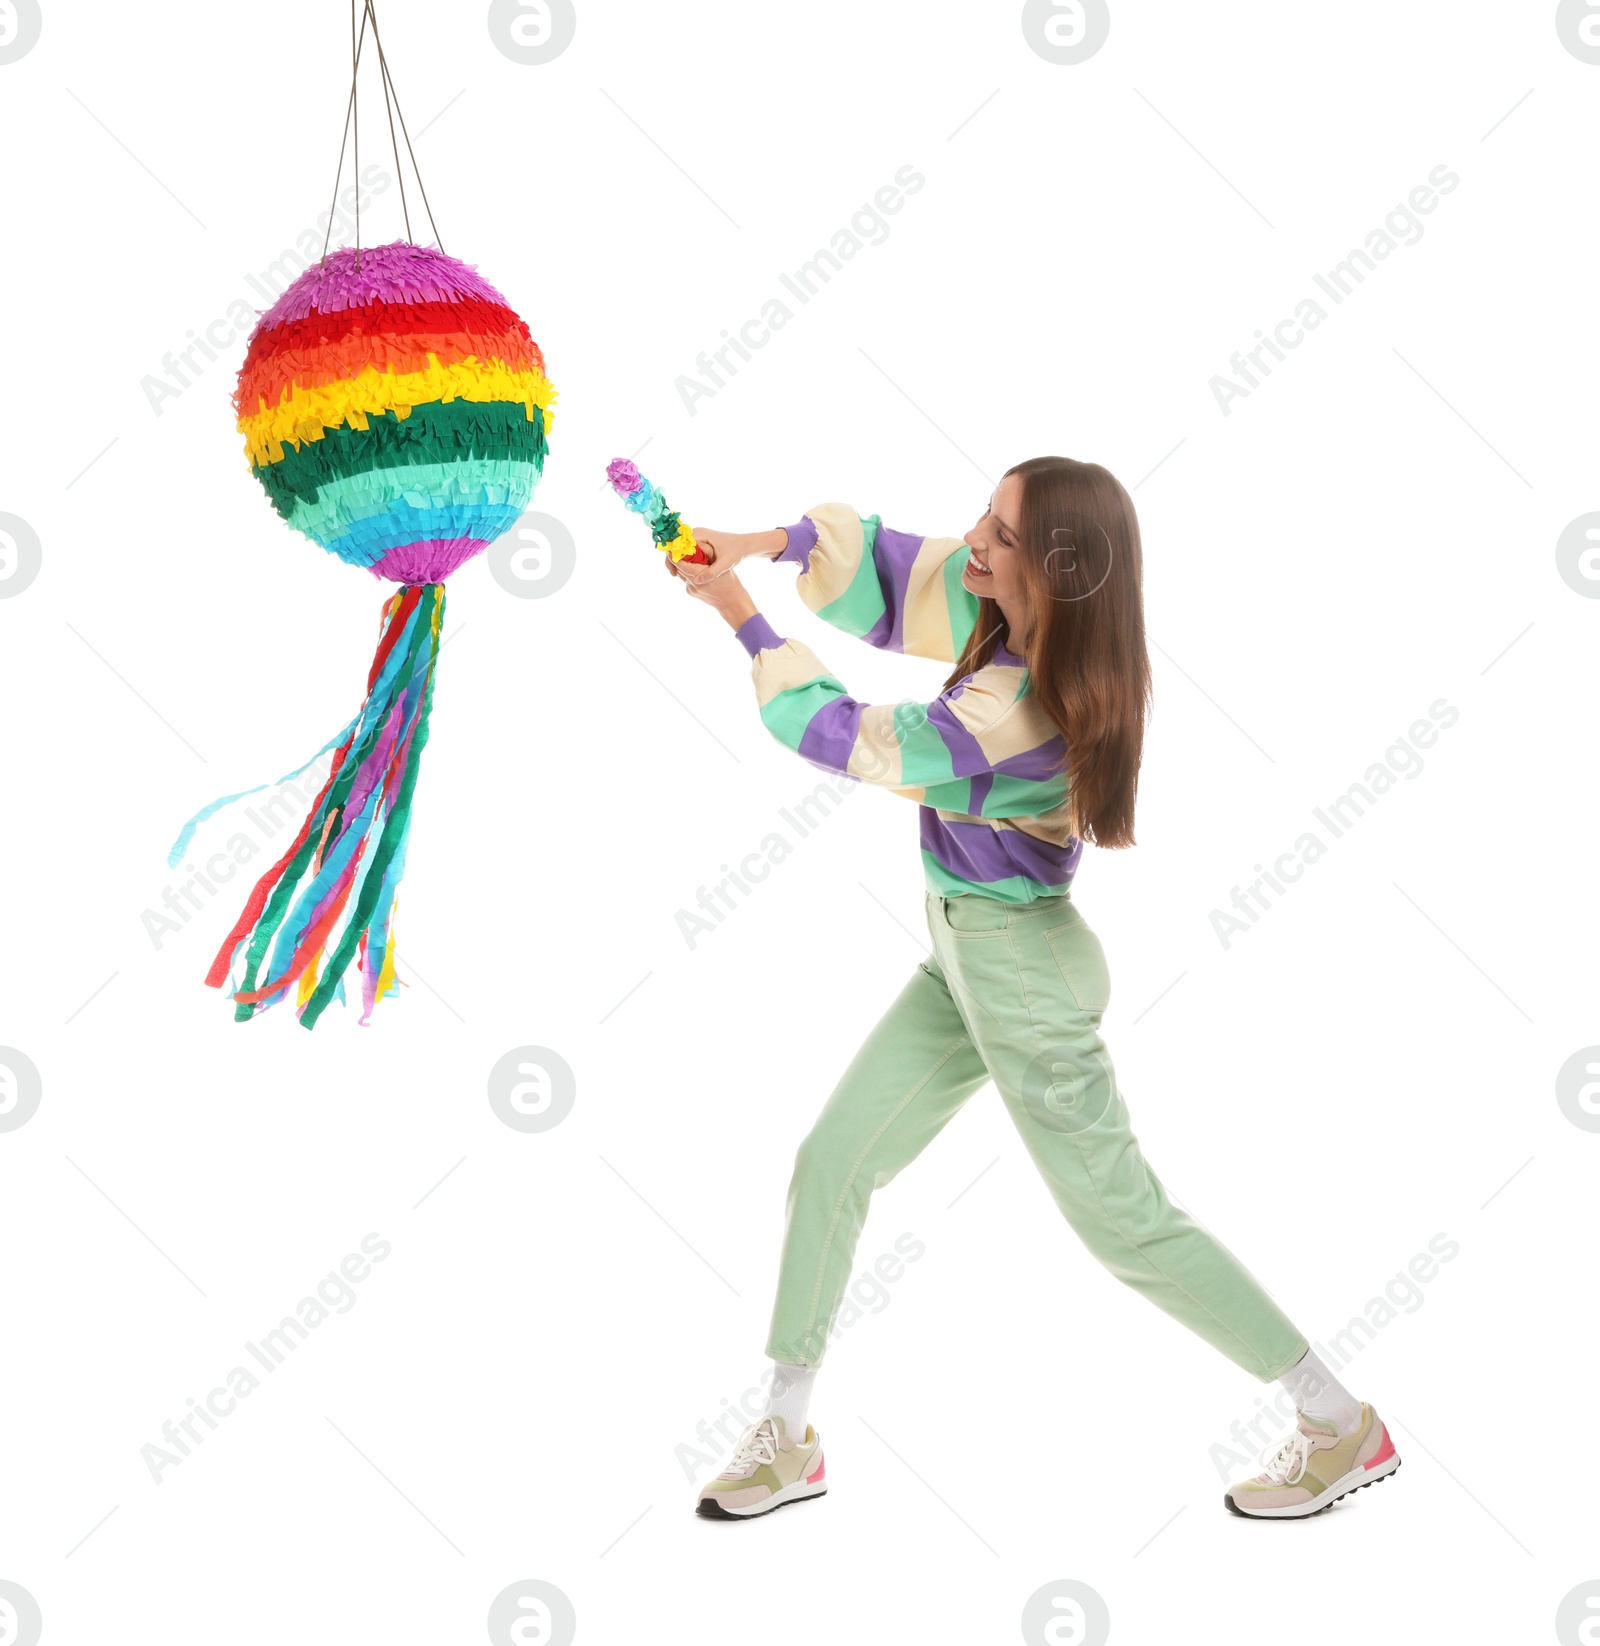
727, 549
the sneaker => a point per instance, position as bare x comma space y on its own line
1314, 1467
768, 1469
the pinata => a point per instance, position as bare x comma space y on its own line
396, 411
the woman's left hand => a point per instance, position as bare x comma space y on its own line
723, 592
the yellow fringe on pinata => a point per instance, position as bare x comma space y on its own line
306, 414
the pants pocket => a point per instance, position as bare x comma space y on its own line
1082, 964
973, 916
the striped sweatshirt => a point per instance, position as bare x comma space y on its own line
983, 761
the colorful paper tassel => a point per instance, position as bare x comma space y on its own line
330, 898
671, 533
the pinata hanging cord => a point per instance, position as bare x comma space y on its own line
352, 123
331, 896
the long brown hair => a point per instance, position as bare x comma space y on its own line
1088, 668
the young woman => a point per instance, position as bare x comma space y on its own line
1032, 748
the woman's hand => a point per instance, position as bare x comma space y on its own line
727, 549
716, 586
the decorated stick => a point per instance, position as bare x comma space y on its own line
671, 533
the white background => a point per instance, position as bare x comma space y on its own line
1364, 1069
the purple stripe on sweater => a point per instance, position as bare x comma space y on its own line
1037, 765
966, 758
830, 735
802, 540
894, 553
757, 635
981, 786
978, 853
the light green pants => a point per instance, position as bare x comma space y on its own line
1014, 994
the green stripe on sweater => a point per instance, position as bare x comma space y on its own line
788, 714
1015, 888
924, 754
1023, 796
861, 605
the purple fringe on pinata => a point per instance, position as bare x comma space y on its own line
400, 273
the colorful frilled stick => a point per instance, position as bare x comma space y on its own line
671, 532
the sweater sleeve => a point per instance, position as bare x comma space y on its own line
892, 589
968, 731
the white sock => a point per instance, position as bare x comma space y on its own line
791, 1397
1319, 1394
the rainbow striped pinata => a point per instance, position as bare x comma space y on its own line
395, 410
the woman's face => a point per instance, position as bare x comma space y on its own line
994, 569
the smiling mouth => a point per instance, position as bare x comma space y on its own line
977, 567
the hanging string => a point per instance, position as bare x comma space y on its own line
383, 65
349, 110
388, 109
355, 109
351, 137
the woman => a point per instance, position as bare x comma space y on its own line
1032, 748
